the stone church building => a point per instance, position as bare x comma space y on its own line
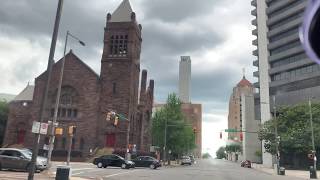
87, 96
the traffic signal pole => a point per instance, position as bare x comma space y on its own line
276, 135
45, 94
312, 138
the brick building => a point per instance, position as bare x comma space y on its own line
87, 96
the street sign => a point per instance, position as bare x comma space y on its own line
35, 127
44, 128
230, 130
46, 147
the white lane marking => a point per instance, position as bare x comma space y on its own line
93, 170
117, 174
73, 174
80, 169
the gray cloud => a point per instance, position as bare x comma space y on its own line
177, 10
170, 29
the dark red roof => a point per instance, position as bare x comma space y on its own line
244, 82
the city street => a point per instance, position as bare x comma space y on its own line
203, 170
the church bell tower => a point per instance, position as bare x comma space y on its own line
120, 68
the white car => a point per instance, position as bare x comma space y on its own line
186, 160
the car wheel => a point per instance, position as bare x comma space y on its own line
123, 166
99, 165
152, 166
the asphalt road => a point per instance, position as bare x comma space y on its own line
203, 170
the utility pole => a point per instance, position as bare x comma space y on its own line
45, 94
312, 138
276, 134
69, 148
165, 142
56, 107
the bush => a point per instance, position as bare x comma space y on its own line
206, 156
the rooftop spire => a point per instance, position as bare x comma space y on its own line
122, 13
244, 72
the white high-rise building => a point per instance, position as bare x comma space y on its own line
185, 79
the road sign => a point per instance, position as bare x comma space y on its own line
44, 128
35, 127
46, 147
230, 130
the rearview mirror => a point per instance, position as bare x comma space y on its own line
310, 30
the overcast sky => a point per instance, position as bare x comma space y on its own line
215, 33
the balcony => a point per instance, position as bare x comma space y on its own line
255, 42
255, 32
254, 12
255, 52
254, 22
256, 85
254, 3
256, 63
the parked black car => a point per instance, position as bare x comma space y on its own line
114, 161
147, 161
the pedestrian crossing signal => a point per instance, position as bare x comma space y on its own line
108, 116
116, 120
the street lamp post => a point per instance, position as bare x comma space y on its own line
312, 138
45, 94
165, 141
276, 134
56, 107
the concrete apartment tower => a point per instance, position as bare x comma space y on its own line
284, 70
185, 79
242, 118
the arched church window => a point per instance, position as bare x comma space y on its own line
68, 103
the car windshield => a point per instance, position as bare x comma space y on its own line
27, 153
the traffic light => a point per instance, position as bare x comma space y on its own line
220, 135
58, 131
108, 116
241, 136
116, 120
309, 31
194, 130
72, 130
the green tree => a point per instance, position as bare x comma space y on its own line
3, 119
180, 136
206, 156
233, 148
293, 128
221, 153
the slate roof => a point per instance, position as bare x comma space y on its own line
26, 94
122, 13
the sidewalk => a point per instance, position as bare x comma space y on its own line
294, 173
48, 174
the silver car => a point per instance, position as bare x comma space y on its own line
186, 160
19, 159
